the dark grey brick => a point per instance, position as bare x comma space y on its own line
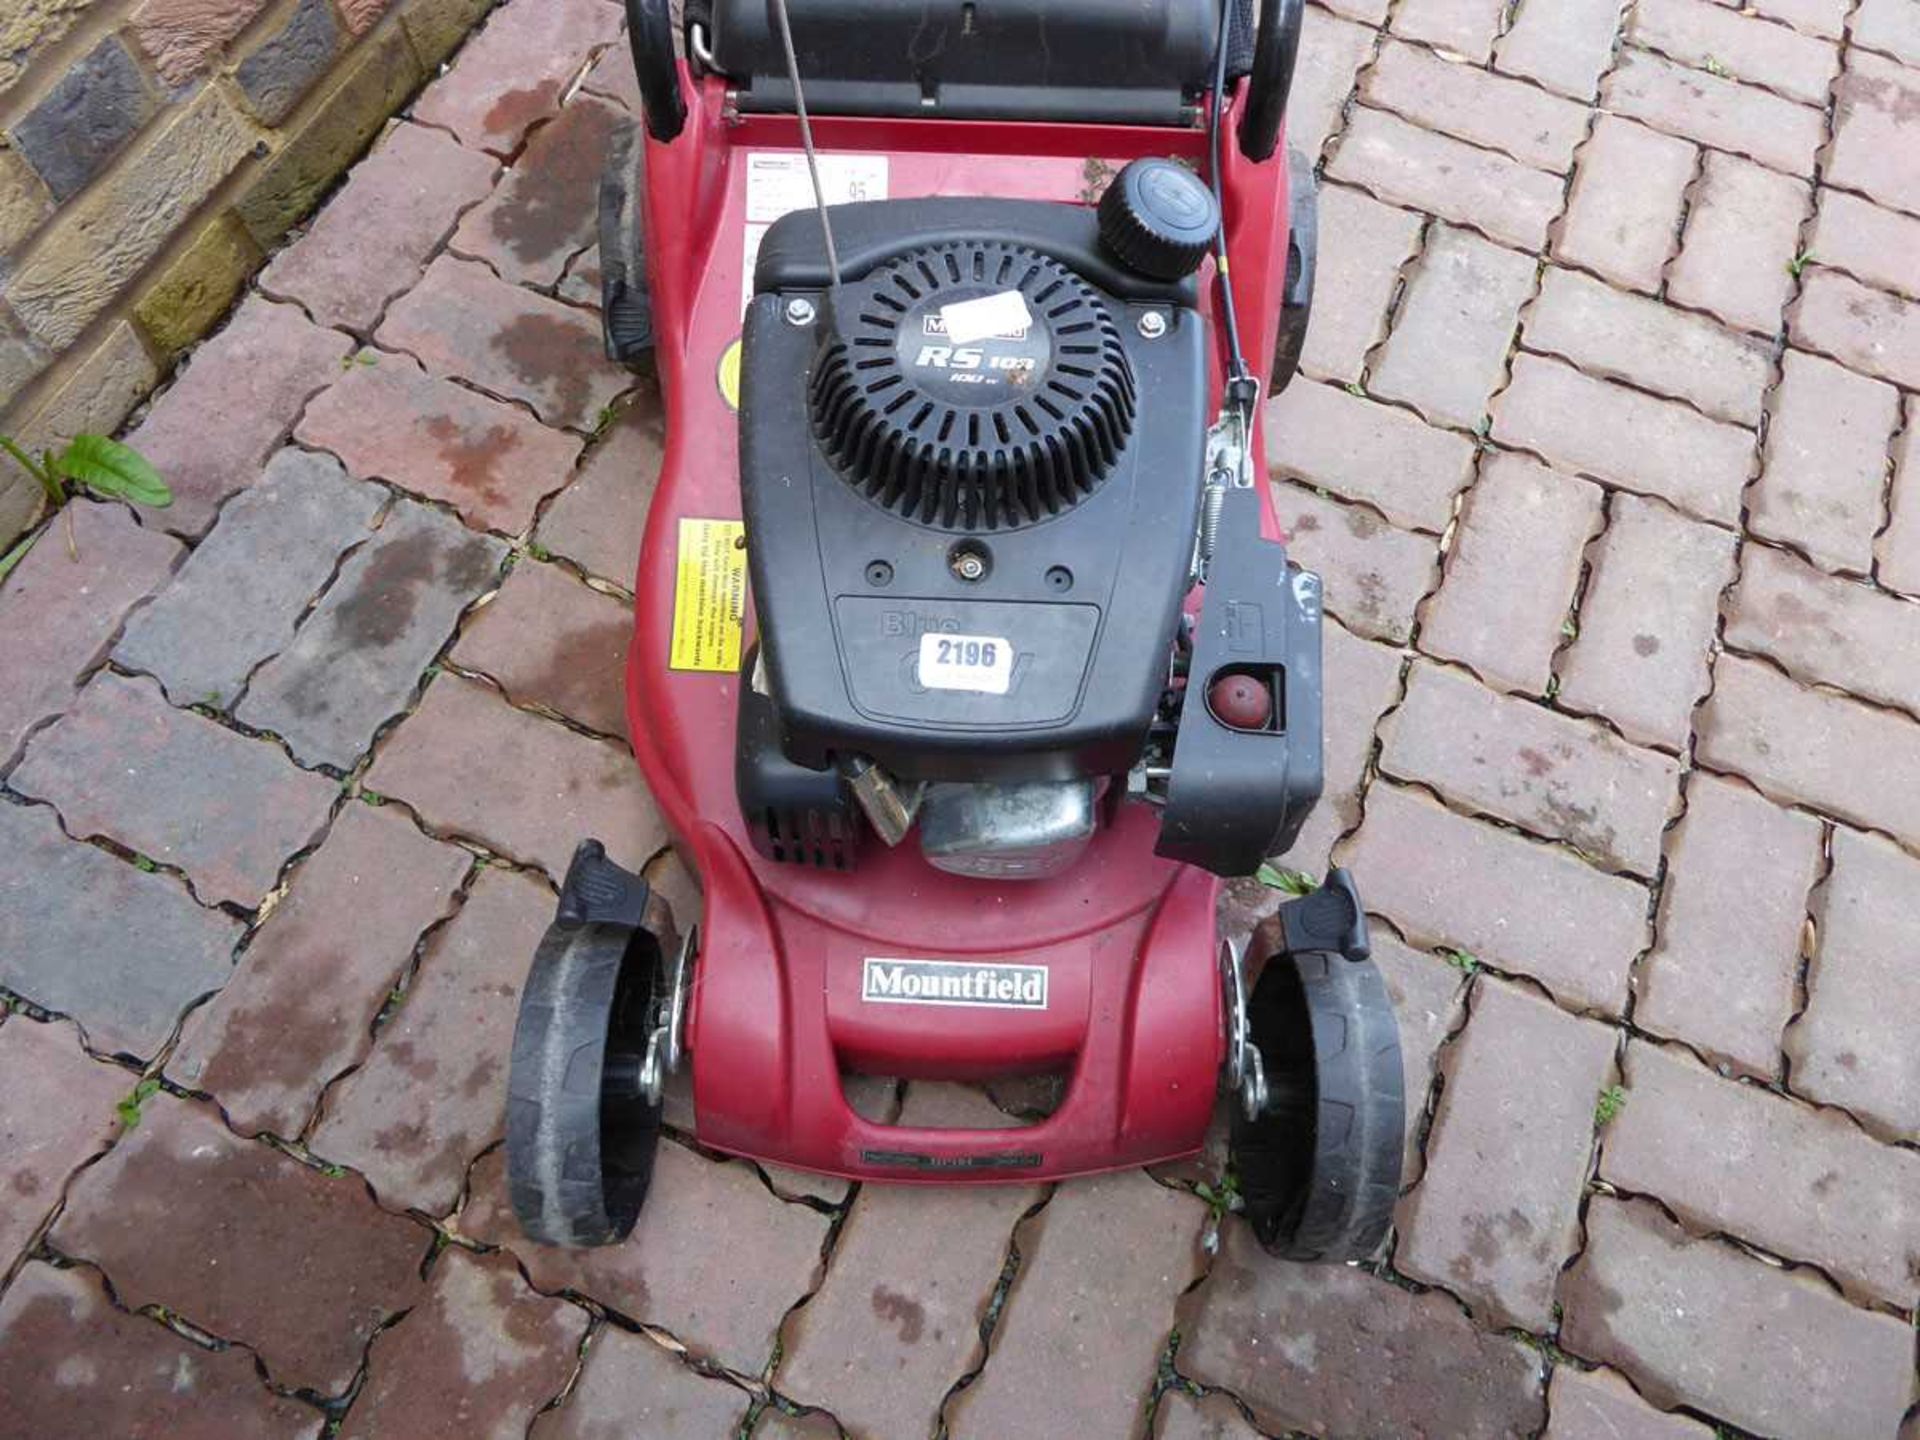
358, 657
69, 915
287, 63
226, 808
82, 122
237, 599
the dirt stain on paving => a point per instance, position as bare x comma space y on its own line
901, 1310
553, 356
477, 463
551, 209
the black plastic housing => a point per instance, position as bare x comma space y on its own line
1236, 797
844, 588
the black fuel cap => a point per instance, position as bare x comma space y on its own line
1159, 218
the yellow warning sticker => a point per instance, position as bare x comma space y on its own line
709, 595
730, 375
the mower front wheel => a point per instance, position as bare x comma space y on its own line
1319, 1167
581, 1136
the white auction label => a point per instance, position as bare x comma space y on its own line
1003, 316
981, 663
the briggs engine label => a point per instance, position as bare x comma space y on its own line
885, 981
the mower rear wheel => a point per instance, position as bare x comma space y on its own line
1319, 1169
581, 1137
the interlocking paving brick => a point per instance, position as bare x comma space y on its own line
1302, 1345
1609, 333
546, 207
1698, 464
478, 1357
1363, 450
389, 420
1112, 1245
776, 1424
1520, 120
581, 282
1892, 26
462, 320
370, 242
1497, 1213
1827, 630
1362, 679
66, 910
1723, 114
1853, 1045
1742, 234
879, 1345
1332, 52
72, 1363
613, 76
432, 1094
1510, 577
1564, 44
232, 405
1368, 12
1696, 1322
1568, 925
1355, 281
597, 521
1879, 246
264, 1228
1702, 34
299, 1010
1184, 1417
1826, 461
56, 1111
550, 640
1825, 18
1448, 350
529, 788
1623, 213
1722, 973
1647, 620
58, 615
1802, 1183
656, 1277
1466, 27
1806, 747
1401, 163
631, 1386
238, 597
1873, 149
512, 74
1426, 995
1866, 329
1561, 778
358, 656
1599, 1405
1897, 550
176, 787
1375, 573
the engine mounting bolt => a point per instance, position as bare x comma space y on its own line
800, 311
1152, 325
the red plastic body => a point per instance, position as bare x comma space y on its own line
1134, 1009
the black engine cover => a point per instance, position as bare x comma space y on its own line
1049, 509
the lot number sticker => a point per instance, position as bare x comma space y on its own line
980, 663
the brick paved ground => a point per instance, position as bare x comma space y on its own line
1609, 447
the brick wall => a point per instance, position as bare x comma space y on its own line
151, 153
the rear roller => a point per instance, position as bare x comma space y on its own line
1318, 1135
583, 1113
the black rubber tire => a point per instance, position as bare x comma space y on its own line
1319, 1171
578, 1161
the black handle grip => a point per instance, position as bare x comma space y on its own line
650, 34
1276, 46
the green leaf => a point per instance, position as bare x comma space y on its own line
1612, 1100
14, 556
1291, 881
110, 469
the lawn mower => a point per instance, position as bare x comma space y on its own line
968, 659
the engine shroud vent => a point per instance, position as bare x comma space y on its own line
1001, 431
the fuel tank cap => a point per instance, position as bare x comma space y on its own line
1159, 219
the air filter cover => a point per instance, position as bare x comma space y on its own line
973, 386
